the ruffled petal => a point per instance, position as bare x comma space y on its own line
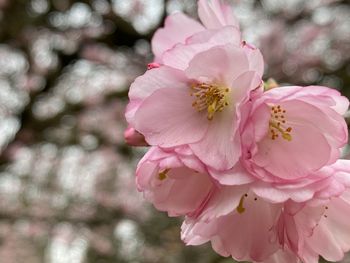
169, 185
307, 151
235, 176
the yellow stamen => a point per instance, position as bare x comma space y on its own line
163, 175
209, 97
277, 124
240, 209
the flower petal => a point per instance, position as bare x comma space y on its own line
167, 118
247, 236
220, 64
223, 201
219, 148
215, 14
178, 27
180, 56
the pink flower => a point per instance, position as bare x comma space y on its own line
174, 181
258, 230
245, 233
198, 106
214, 14
293, 132
320, 226
255, 173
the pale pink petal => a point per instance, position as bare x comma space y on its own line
220, 64
215, 14
152, 80
167, 118
180, 56
243, 84
178, 27
272, 193
246, 236
223, 201
256, 60
235, 176
331, 238
283, 256
188, 236
219, 148
220, 36
158, 78
322, 96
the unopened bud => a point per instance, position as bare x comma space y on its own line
134, 138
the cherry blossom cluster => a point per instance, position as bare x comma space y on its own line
255, 169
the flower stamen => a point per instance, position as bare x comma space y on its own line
163, 175
209, 97
240, 208
277, 124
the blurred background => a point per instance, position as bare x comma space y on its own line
67, 192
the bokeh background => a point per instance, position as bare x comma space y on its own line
67, 192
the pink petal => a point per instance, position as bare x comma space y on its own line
158, 78
256, 60
152, 80
222, 201
180, 56
167, 118
221, 64
247, 236
283, 256
219, 148
243, 84
215, 14
235, 176
331, 237
178, 27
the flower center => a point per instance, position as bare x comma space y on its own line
209, 97
277, 124
163, 175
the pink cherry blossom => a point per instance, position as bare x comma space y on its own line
178, 27
175, 182
256, 229
293, 132
245, 233
198, 106
319, 228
